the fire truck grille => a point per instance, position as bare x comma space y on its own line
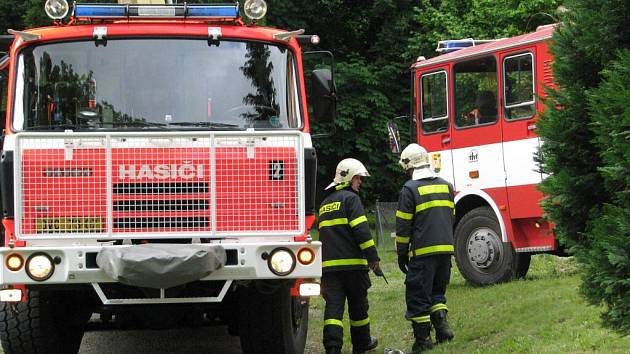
160, 188
159, 185
161, 205
160, 223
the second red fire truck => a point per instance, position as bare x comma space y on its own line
476, 107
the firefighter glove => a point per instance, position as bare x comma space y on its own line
403, 262
374, 266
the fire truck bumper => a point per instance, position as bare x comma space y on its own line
78, 265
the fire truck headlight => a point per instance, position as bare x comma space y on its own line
281, 261
39, 266
56, 9
255, 9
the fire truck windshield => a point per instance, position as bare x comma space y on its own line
156, 84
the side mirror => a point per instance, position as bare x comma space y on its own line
393, 135
3, 100
321, 93
324, 96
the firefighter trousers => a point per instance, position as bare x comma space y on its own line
426, 282
336, 288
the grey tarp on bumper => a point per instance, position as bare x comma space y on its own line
160, 265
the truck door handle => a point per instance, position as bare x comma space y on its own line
531, 126
446, 139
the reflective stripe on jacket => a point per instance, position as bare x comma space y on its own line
425, 217
344, 232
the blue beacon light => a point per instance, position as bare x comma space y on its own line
81, 10
223, 11
159, 11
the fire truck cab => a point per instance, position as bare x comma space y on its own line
157, 168
476, 107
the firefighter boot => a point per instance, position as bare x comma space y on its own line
371, 345
443, 332
422, 333
333, 350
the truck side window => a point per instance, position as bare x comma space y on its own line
434, 113
518, 85
476, 92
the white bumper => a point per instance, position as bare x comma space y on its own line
77, 263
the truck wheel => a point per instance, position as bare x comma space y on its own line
48, 322
480, 254
272, 322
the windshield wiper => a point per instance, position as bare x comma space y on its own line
139, 123
213, 125
57, 127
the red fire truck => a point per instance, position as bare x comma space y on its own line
157, 168
476, 107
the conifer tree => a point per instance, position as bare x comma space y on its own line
587, 150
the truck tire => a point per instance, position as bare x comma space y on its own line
522, 264
481, 256
48, 322
272, 323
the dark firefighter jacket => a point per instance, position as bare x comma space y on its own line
344, 232
425, 217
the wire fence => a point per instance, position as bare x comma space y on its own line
386, 225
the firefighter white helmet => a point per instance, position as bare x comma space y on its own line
346, 170
416, 157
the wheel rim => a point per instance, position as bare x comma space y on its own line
483, 249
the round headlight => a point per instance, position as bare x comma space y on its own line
39, 266
281, 261
255, 9
56, 9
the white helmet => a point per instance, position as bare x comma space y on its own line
414, 156
346, 170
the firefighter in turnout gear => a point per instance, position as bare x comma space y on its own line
424, 243
348, 253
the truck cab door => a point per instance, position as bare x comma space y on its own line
4, 78
520, 141
432, 114
476, 133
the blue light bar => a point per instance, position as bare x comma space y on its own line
209, 11
99, 11
112, 11
452, 45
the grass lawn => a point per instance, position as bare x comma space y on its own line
542, 314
